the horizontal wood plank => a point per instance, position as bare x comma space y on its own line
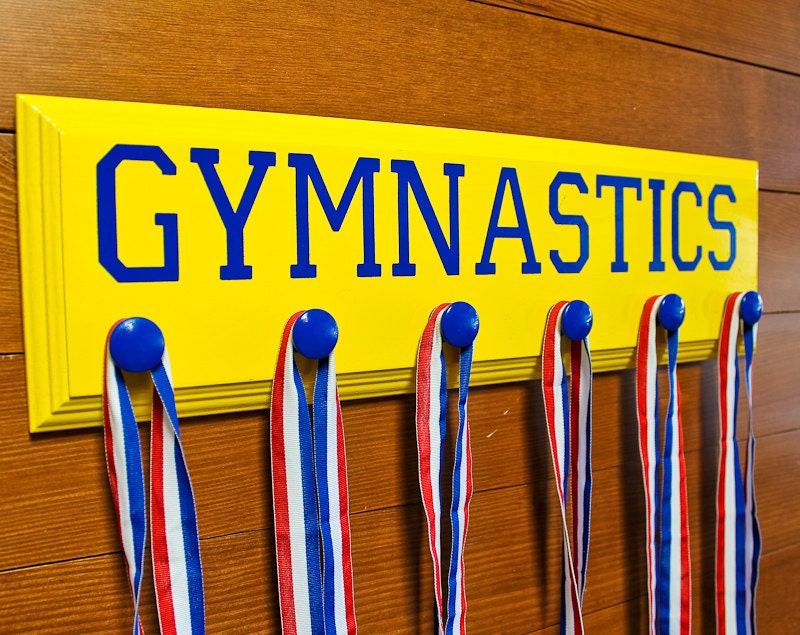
775, 401
778, 604
512, 563
92, 596
745, 31
59, 479
513, 568
454, 67
778, 256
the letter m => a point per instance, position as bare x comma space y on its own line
307, 171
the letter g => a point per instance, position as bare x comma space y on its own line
107, 216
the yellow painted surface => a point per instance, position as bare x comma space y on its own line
223, 335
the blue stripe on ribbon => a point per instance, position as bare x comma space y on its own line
313, 562
587, 487
442, 422
135, 480
664, 580
321, 450
566, 427
191, 546
741, 537
749, 346
457, 504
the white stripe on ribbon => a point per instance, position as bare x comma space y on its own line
569, 416
663, 494
118, 463
177, 570
304, 606
431, 395
737, 554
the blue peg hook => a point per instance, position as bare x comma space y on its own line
460, 324
315, 334
752, 307
671, 312
136, 344
577, 319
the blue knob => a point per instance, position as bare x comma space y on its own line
136, 345
671, 312
315, 334
752, 307
460, 324
576, 320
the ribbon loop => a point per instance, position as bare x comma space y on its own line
177, 569
569, 429
310, 498
738, 537
431, 424
664, 473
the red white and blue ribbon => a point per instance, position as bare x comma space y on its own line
431, 420
310, 498
568, 414
738, 540
175, 542
664, 471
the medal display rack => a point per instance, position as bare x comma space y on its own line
217, 225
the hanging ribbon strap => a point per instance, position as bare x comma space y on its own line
310, 498
569, 428
738, 540
431, 432
664, 471
174, 537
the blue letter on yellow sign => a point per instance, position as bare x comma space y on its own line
107, 216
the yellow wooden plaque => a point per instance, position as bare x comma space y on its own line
219, 224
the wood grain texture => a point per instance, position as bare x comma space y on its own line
228, 455
778, 601
445, 63
10, 299
512, 560
778, 240
753, 32
512, 555
60, 478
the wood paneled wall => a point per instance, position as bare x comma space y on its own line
714, 78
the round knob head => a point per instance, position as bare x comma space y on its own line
315, 334
576, 320
671, 312
752, 307
460, 324
136, 344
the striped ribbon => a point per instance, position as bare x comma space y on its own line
569, 428
738, 540
431, 421
177, 570
669, 571
310, 499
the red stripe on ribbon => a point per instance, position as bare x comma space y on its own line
160, 551
424, 445
280, 496
344, 506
